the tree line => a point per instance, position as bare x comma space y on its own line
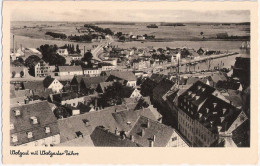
56, 35
106, 31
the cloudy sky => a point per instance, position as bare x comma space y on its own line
136, 15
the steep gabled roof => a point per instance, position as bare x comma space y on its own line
124, 75
33, 85
126, 119
93, 81
104, 138
215, 114
104, 85
162, 88
22, 123
48, 81
69, 126
161, 132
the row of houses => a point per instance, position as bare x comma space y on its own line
34, 124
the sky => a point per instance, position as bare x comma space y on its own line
129, 15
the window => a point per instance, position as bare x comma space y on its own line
174, 138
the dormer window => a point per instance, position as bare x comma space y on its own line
11, 126
14, 138
34, 120
29, 134
86, 122
214, 105
47, 130
17, 112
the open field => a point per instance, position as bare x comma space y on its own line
191, 31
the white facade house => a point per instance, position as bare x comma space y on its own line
70, 70
93, 72
53, 84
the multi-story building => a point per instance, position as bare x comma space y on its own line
92, 72
204, 118
70, 70
33, 124
41, 69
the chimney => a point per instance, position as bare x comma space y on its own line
117, 132
153, 138
142, 133
148, 123
222, 119
207, 110
151, 142
224, 110
219, 128
132, 138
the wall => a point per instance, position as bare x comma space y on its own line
71, 73
176, 141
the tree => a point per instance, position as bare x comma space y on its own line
141, 104
114, 94
31, 60
61, 112
13, 74
21, 74
49, 55
77, 49
122, 38
87, 57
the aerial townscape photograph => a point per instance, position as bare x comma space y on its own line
130, 78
